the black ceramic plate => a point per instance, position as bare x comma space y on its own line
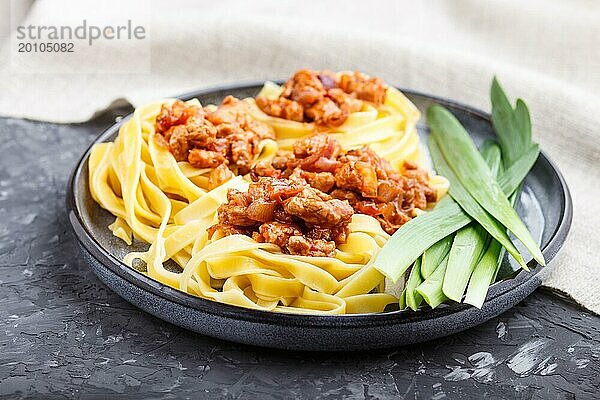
545, 206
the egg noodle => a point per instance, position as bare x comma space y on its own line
167, 204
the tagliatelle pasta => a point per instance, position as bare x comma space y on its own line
171, 205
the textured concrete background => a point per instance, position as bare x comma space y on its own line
64, 334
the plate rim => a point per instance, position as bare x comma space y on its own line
87, 240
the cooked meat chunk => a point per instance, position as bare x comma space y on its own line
365, 87
348, 195
244, 146
205, 158
357, 177
226, 136
282, 158
420, 177
220, 145
328, 79
367, 207
323, 97
322, 145
259, 128
289, 237
366, 154
289, 213
305, 87
281, 216
265, 168
237, 197
388, 191
200, 133
278, 233
176, 114
323, 181
274, 189
310, 247
196, 133
281, 108
225, 129
317, 153
317, 208
327, 234
231, 111
392, 216
326, 112
234, 211
348, 103
178, 142
218, 176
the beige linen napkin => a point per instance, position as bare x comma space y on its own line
546, 52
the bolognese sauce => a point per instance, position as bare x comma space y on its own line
323, 97
287, 212
221, 138
361, 177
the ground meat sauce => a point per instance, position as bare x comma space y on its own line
323, 97
225, 137
360, 177
301, 200
298, 218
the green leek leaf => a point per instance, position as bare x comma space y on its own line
433, 256
469, 242
470, 205
513, 129
463, 158
414, 299
402, 300
431, 288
